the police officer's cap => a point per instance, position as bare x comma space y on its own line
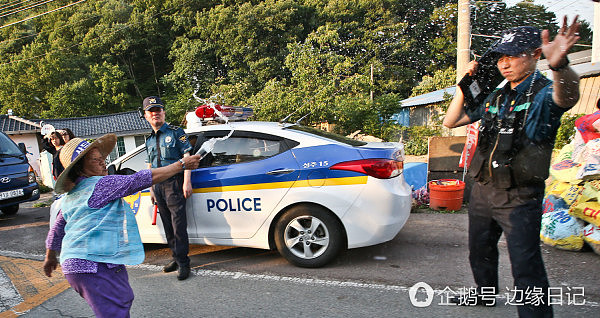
518, 40
153, 101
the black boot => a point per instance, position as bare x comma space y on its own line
171, 267
183, 273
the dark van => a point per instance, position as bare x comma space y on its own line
17, 178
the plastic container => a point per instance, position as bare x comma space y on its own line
446, 194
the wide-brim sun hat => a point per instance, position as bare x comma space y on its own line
76, 149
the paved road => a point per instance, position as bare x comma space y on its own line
229, 281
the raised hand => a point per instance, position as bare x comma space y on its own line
557, 50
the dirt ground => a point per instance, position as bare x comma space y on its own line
410, 158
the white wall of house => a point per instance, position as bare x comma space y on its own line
33, 150
129, 143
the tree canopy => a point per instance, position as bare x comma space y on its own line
346, 62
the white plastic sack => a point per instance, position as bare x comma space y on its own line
590, 161
561, 230
591, 235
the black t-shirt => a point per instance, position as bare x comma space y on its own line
57, 167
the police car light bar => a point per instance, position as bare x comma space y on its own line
206, 112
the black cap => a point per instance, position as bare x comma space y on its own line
153, 101
517, 40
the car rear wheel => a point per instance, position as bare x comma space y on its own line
11, 209
309, 236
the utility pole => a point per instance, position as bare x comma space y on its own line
463, 49
463, 38
596, 34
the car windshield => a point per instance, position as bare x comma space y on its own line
8, 147
329, 135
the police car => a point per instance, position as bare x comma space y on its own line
305, 192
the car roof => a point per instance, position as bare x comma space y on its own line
243, 125
274, 128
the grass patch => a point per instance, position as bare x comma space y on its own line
43, 204
44, 188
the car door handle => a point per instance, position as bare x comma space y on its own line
280, 171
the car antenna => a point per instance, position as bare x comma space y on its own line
284, 120
301, 118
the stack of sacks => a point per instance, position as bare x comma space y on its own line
572, 201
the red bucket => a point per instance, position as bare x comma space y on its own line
446, 194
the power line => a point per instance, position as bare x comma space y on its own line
16, 6
26, 8
12, 4
556, 3
572, 2
46, 31
41, 14
94, 38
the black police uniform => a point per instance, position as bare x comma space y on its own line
517, 133
172, 144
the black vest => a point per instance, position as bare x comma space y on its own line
505, 156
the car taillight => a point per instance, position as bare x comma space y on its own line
31, 175
378, 168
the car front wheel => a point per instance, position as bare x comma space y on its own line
309, 236
11, 209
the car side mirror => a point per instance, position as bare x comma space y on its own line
111, 169
23, 148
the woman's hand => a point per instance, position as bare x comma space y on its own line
50, 262
191, 162
163, 173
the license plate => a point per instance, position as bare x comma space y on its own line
11, 194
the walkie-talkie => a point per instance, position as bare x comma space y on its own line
487, 77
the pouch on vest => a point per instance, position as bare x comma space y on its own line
505, 139
501, 174
476, 165
532, 164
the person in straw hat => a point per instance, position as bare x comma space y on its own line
95, 232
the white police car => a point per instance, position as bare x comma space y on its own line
306, 192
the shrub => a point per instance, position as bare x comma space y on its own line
566, 131
416, 139
44, 188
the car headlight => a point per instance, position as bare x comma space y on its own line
31, 175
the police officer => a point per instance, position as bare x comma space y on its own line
168, 144
518, 128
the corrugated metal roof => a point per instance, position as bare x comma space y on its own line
12, 125
121, 124
429, 98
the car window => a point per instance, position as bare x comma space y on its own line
136, 162
8, 147
330, 135
244, 149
